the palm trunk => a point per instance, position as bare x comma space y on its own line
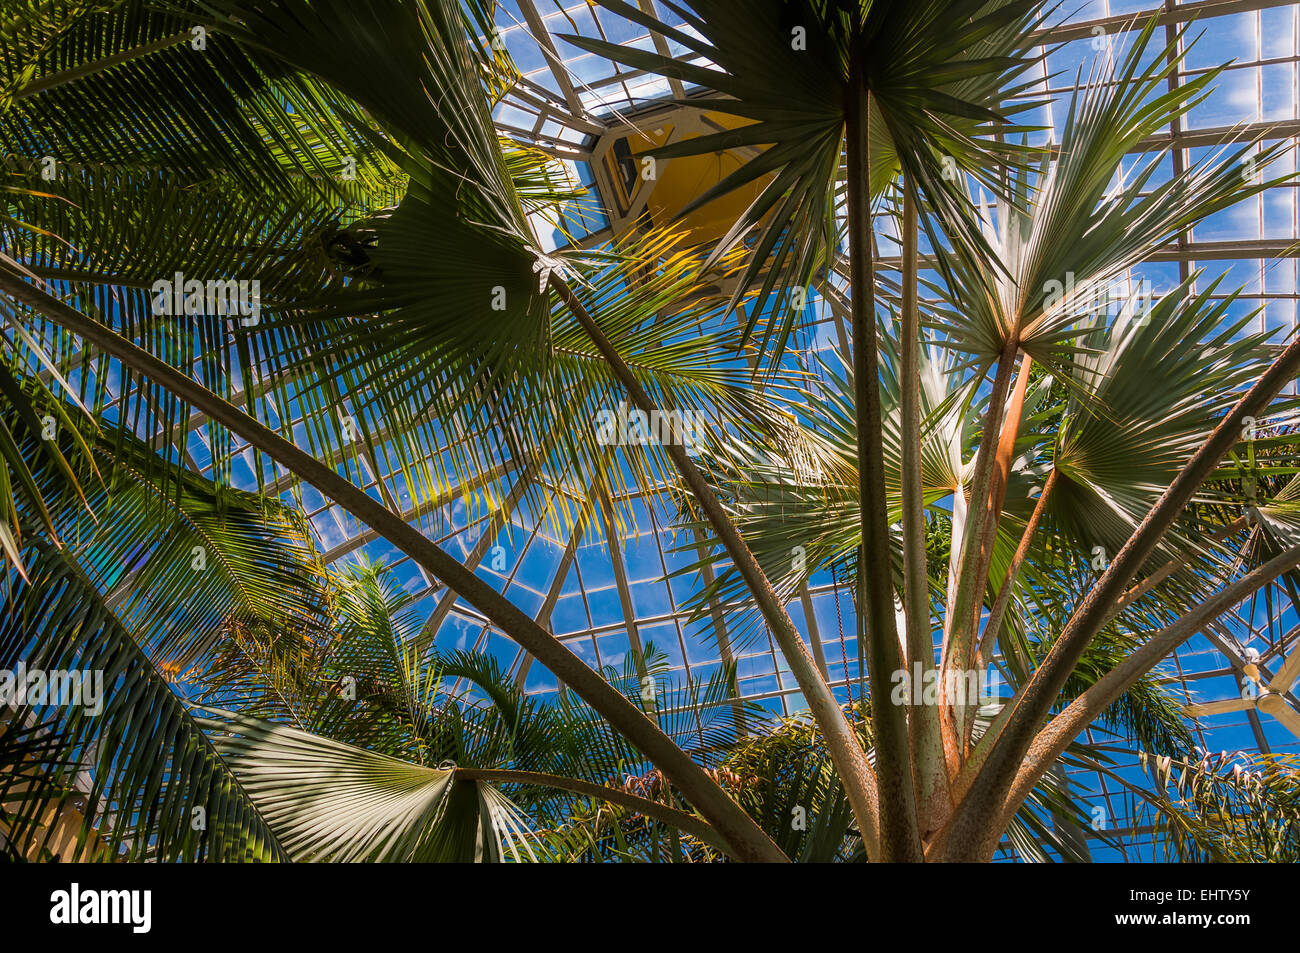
747, 841
975, 817
1005, 593
962, 619
929, 771
841, 740
877, 628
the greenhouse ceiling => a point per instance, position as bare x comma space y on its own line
613, 568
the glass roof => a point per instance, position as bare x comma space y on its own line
606, 594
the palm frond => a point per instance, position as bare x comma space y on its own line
329, 801
159, 791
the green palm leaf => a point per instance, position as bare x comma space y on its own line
935, 70
330, 801
1067, 233
160, 791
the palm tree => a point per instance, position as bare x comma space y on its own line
344, 153
349, 742
1224, 809
859, 93
437, 148
998, 288
356, 743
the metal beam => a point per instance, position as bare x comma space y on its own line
546, 42
552, 597
480, 548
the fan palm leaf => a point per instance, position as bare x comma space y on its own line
334, 802
934, 71
160, 791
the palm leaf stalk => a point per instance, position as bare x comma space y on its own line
1007, 589
687, 823
850, 758
992, 470
930, 774
1083, 710
733, 825
877, 629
